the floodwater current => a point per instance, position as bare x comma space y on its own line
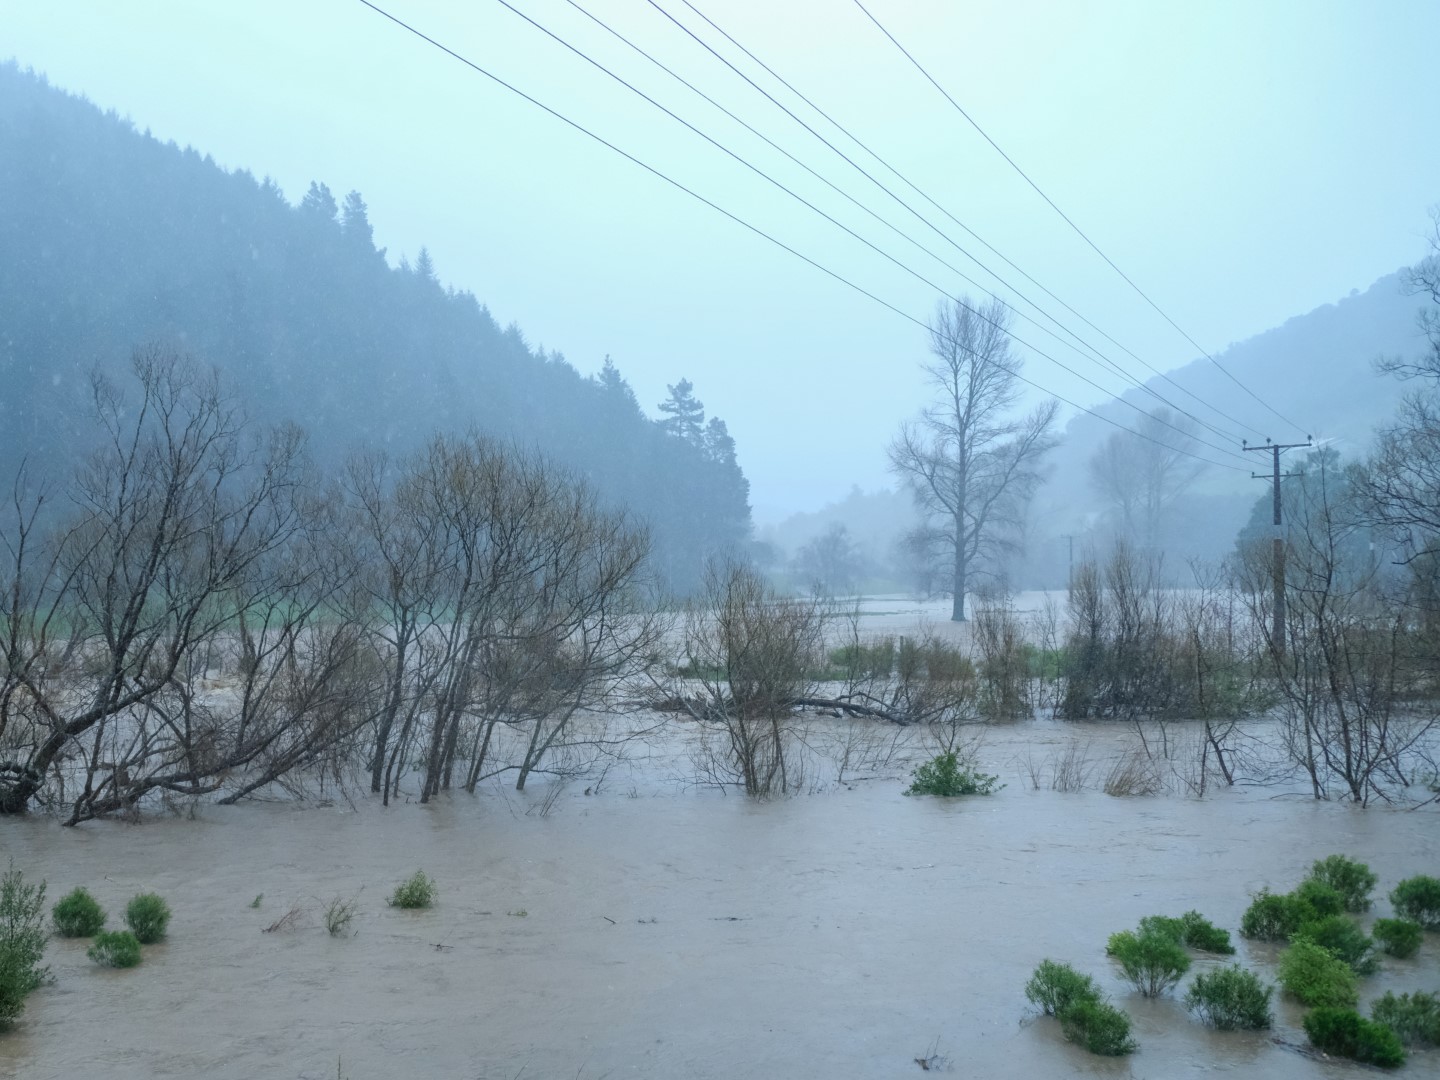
660, 930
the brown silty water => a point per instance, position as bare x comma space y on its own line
659, 930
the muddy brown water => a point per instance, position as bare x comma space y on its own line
655, 930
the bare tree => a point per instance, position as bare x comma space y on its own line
1142, 474
970, 464
831, 563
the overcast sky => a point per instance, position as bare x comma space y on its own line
1242, 162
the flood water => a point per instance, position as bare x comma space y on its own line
656, 929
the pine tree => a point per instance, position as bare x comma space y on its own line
318, 204
355, 221
685, 414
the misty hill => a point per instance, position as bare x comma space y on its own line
114, 239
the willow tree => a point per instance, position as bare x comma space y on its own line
970, 462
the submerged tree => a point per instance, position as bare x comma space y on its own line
1142, 474
969, 462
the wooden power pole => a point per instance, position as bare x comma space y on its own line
1277, 614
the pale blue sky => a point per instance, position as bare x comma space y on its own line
1243, 162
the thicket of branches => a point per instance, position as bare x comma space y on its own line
192, 613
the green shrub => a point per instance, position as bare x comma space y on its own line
947, 775
1203, 935
1098, 1026
1318, 899
1414, 1017
1398, 937
1153, 961
1418, 899
1346, 1033
1271, 917
117, 949
78, 914
1230, 999
1342, 937
416, 891
148, 916
1055, 987
1313, 976
22, 941
1352, 880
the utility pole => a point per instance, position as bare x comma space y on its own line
1070, 539
1277, 614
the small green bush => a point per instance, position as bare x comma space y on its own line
1153, 961
1352, 880
1055, 987
1414, 1017
1271, 917
416, 891
1318, 897
1204, 936
1099, 1027
22, 942
1230, 999
78, 914
946, 775
1346, 1033
148, 916
1418, 899
1313, 976
1397, 937
116, 949
1342, 937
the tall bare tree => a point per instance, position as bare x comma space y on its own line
969, 461
1142, 474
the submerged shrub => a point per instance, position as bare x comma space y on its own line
1314, 976
1343, 938
1318, 897
1415, 1018
1152, 960
22, 940
147, 915
1271, 917
947, 775
78, 914
1346, 1033
416, 891
117, 949
1099, 1027
1418, 899
1352, 880
1230, 999
1203, 935
1055, 987
1397, 937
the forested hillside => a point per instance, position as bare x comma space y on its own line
113, 239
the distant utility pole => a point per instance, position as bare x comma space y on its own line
1277, 615
1070, 538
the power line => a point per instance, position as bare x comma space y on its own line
846, 229
1066, 218
747, 225
1099, 356
913, 187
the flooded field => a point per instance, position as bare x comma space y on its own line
659, 929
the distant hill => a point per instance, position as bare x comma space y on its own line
113, 239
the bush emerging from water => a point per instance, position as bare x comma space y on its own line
1398, 937
1346, 1033
1192, 930
78, 914
1099, 1027
1352, 880
1313, 976
1319, 897
1055, 987
1343, 938
22, 943
416, 891
1418, 899
1278, 916
1415, 1018
116, 949
1152, 960
147, 915
1230, 999
947, 775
